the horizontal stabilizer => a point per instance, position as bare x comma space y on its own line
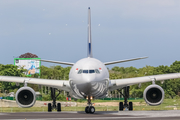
120, 61
58, 62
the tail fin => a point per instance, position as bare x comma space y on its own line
89, 34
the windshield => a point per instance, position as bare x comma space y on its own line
85, 71
89, 71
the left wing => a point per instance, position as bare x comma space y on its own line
120, 83
59, 84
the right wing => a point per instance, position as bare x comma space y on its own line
59, 84
120, 61
58, 62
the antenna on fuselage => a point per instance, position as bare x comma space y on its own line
89, 34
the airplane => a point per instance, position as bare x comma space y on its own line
89, 79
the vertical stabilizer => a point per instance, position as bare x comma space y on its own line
89, 34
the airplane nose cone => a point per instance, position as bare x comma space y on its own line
88, 78
85, 85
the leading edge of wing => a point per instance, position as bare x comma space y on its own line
59, 84
131, 81
58, 62
126, 60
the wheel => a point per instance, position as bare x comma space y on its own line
59, 107
130, 106
92, 109
49, 107
87, 109
121, 106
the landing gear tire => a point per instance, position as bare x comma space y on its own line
53, 97
121, 106
91, 109
87, 109
125, 105
49, 107
130, 106
59, 107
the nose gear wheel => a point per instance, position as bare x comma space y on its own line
89, 109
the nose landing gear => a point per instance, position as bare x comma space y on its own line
89, 108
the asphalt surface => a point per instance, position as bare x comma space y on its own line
122, 115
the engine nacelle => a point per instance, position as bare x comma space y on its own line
153, 95
25, 97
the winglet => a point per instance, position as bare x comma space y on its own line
89, 34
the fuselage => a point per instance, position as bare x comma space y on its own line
89, 77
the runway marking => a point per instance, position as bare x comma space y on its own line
78, 118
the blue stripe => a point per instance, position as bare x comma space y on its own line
89, 49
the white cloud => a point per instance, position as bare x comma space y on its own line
49, 33
99, 25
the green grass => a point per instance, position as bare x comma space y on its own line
98, 101
168, 104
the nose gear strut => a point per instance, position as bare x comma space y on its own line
89, 108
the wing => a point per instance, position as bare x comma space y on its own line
58, 62
59, 84
120, 61
120, 83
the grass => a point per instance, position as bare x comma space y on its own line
168, 104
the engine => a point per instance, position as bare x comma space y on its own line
25, 97
153, 95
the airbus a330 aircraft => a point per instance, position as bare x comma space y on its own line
89, 78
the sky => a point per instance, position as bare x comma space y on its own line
121, 29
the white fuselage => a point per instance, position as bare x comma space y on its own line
89, 77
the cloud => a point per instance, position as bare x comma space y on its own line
49, 33
99, 25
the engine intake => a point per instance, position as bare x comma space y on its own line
153, 95
25, 97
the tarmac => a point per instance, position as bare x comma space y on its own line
98, 115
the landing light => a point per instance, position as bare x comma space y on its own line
91, 98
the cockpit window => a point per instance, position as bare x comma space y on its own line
97, 71
80, 71
91, 71
85, 71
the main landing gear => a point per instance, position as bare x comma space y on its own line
125, 106
89, 108
53, 97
